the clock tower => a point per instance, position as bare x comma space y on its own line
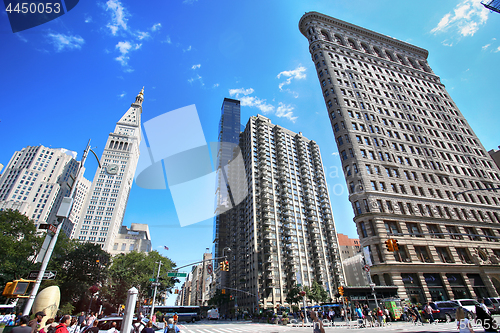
105, 207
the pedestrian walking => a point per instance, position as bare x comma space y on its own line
317, 324
428, 311
463, 323
171, 327
23, 325
63, 324
94, 328
36, 321
148, 328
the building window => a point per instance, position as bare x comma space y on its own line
422, 254
443, 254
464, 256
413, 229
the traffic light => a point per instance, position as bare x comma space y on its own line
223, 291
341, 291
389, 245
176, 291
226, 266
16, 288
395, 245
221, 265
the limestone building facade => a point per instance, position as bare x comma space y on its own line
415, 170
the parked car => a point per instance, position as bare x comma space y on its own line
104, 324
468, 304
493, 304
446, 311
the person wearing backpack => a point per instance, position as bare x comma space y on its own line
171, 327
63, 324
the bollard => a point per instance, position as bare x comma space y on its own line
129, 310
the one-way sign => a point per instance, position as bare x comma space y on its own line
48, 275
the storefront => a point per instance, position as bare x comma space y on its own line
458, 287
478, 285
436, 287
413, 288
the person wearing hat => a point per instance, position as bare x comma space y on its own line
34, 322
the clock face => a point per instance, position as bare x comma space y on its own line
112, 169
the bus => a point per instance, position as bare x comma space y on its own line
185, 313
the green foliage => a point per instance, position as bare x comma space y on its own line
293, 296
219, 298
79, 266
19, 245
134, 269
67, 308
316, 293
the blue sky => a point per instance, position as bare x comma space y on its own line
73, 78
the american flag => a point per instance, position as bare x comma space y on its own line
165, 247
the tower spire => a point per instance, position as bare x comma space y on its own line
140, 97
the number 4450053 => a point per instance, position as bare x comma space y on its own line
34, 8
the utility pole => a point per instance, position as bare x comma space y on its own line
62, 214
156, 283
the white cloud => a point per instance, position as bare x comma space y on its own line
88, 19
447, 43
21, 37
298, 73
257, 103
215, 85
284, 110
486, 46
156, 26
188, 49
497, 50
122, 95
167, 40
197, 78
196, 66
119, 16
467, 17
125, 48
335, 153
142, 35
242, 94
241, 91
61, 41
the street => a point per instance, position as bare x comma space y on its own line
249, 327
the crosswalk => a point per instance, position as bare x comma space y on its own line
219, 329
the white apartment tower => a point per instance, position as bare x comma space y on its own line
105, 207
283, 233
35, 181
415, 170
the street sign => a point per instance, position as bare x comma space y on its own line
50, 227
155, 284
209, 269
152, 279
48, 275
366, 268
174, 274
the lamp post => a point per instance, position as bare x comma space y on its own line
303, 294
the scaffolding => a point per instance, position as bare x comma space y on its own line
493, 5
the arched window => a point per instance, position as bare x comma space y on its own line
378, 52
116, 145
390, 56
401, 59
365, 48
352, 43
121, 146
125, 147
339, 39
325, 36
111, 144
413, 63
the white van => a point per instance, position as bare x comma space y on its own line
213, 314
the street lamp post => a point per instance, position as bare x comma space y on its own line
156, 288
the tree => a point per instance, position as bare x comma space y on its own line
19, 246
135, 269
293, 295
79, 266
316, 293
218, 299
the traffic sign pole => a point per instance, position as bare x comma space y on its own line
156, 284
